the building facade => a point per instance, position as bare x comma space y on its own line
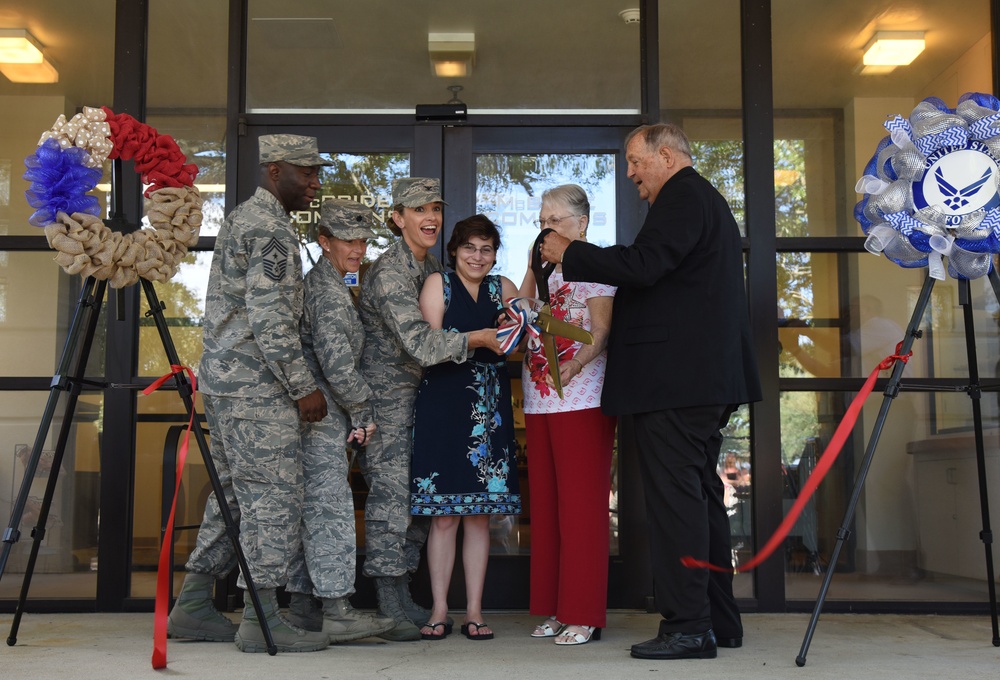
502, 100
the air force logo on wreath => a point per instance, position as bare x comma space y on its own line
959, 181
275, 260
931, 188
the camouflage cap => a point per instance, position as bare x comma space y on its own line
346, 220
294, 149
416, 191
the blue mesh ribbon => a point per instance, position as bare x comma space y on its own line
60, 182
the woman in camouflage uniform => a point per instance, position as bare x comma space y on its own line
398, 345
332, 338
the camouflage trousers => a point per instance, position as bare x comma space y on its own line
213, 552
325, 567
392, 541
260, 439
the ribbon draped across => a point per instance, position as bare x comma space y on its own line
521, 316
826, 461
163, 573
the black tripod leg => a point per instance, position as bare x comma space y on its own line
83, 326
986, 535
891, 390
184, 389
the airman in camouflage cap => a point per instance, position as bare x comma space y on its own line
411, 192
294, 149
346, 219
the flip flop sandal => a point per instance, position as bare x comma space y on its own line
433, 636
545, 629
466, 631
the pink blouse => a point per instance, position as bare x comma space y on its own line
568, 302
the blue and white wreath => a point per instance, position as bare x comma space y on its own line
931, 189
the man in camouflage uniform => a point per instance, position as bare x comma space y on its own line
332, 338
398, 344
255, 382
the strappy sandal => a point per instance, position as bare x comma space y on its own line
574, 638
467, 631
550, 627
433, 636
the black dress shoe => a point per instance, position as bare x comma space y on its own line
730, 642
677, 646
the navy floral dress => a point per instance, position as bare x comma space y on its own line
463, 424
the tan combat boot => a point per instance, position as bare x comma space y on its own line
389, 606
344, 623
194, 616
287, 638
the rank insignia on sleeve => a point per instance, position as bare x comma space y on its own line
275, 259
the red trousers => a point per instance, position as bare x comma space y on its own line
569, 476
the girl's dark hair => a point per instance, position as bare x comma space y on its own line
477, 225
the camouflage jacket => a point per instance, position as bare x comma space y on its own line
253, 306
332, 338
398, 342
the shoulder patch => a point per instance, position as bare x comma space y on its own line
275, 259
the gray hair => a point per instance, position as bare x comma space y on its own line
660, 135
572, 195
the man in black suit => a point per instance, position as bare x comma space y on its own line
680, 361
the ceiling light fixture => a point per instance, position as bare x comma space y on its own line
452, 54
43, 72
889, 49
17, 46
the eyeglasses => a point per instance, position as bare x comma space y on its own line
470, 250
551, 221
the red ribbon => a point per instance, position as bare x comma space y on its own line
826, 461
164, 570
158, 159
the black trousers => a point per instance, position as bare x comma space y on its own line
678, 456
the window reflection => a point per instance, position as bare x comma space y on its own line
373, 58
915, 533
736, 471
839, 315
67, 556
365, 178
509, 191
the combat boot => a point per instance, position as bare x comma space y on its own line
389, 606
305, 612
414, 612
344, 623
287, 638
194, 616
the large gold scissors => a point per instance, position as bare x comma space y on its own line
548, 325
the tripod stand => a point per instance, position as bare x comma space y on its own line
891, 391
69, 378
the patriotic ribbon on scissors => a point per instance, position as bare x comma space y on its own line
159, 659
826, 461
521, 316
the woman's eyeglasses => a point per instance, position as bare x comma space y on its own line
470, 250
551, 221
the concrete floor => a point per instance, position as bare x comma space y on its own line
885, 647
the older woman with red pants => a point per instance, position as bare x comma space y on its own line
569, 444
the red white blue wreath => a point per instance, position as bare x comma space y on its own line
66, 168
931, 189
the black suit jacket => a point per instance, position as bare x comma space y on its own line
680, 331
